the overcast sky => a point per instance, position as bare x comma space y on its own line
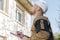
53, 13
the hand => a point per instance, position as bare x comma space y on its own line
20, 34
32, 10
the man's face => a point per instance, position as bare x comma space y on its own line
35, 9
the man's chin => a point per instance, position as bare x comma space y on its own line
31, 13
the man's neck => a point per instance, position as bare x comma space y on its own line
35, 16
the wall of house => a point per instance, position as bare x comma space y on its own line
9, 24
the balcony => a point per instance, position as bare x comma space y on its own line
26, 4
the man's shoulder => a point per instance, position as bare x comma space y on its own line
41, 17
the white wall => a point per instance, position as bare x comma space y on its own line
8, 24
28, 23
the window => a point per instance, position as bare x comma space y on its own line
4, 5
18, 15
1, 4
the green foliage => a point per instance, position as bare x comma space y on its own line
58, 38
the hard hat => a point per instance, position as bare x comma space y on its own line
42, 4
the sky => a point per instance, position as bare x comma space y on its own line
52, 13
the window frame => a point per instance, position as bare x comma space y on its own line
17, 12
5, 5
22, 9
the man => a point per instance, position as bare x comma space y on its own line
41, 29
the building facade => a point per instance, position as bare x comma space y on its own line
14, 16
